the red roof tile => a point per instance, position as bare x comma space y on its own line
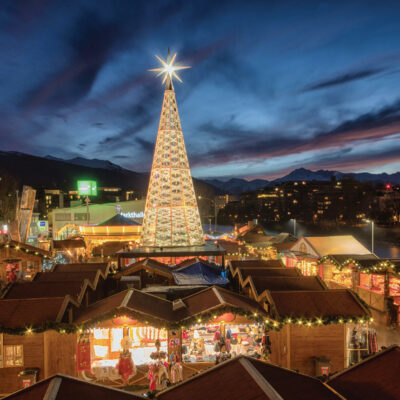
377, 377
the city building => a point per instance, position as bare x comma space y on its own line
66, 221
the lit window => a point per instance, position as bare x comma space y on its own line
13, 356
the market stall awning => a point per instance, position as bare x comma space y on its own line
199, 273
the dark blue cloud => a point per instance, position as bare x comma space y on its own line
74, 81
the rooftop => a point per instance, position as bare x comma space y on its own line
208, 249
133, 300
245, 378
257, 264
63, 387
344, 244
21, 313
284, 283
376, 377
316, 304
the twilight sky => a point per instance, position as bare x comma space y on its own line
274, 85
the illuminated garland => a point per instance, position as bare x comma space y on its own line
378, 267
27, 251
269, 323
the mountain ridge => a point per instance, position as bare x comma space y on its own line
110, 174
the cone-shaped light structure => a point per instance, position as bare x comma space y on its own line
171, 216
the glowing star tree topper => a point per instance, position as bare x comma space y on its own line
168, 69
171, 217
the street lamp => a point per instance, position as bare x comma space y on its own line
372, 234
215, 211
294, 226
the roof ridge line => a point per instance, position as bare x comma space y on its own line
261, 381
53, 388
363, 362
218, 295
126, 298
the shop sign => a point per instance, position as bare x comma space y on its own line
83, 356
26, 383
324, 371
123, 320
227, 317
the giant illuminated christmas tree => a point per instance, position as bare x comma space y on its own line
171, 216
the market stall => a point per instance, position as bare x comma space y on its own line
129, 338
226, 336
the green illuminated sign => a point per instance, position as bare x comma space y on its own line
87, 188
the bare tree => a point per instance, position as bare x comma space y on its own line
8, 194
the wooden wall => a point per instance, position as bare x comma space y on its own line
33, 357
306, 343
50, 351
280, 347
59, 353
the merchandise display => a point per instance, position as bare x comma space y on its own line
361, 342
344, 277
106, 344
207, 343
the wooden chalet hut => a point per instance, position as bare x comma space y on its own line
375, 280
308, 250
27, 259
33, 334
330, 324
190, 327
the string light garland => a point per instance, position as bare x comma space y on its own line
382, 265
21, 248
269, 323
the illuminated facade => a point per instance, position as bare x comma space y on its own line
171, 213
